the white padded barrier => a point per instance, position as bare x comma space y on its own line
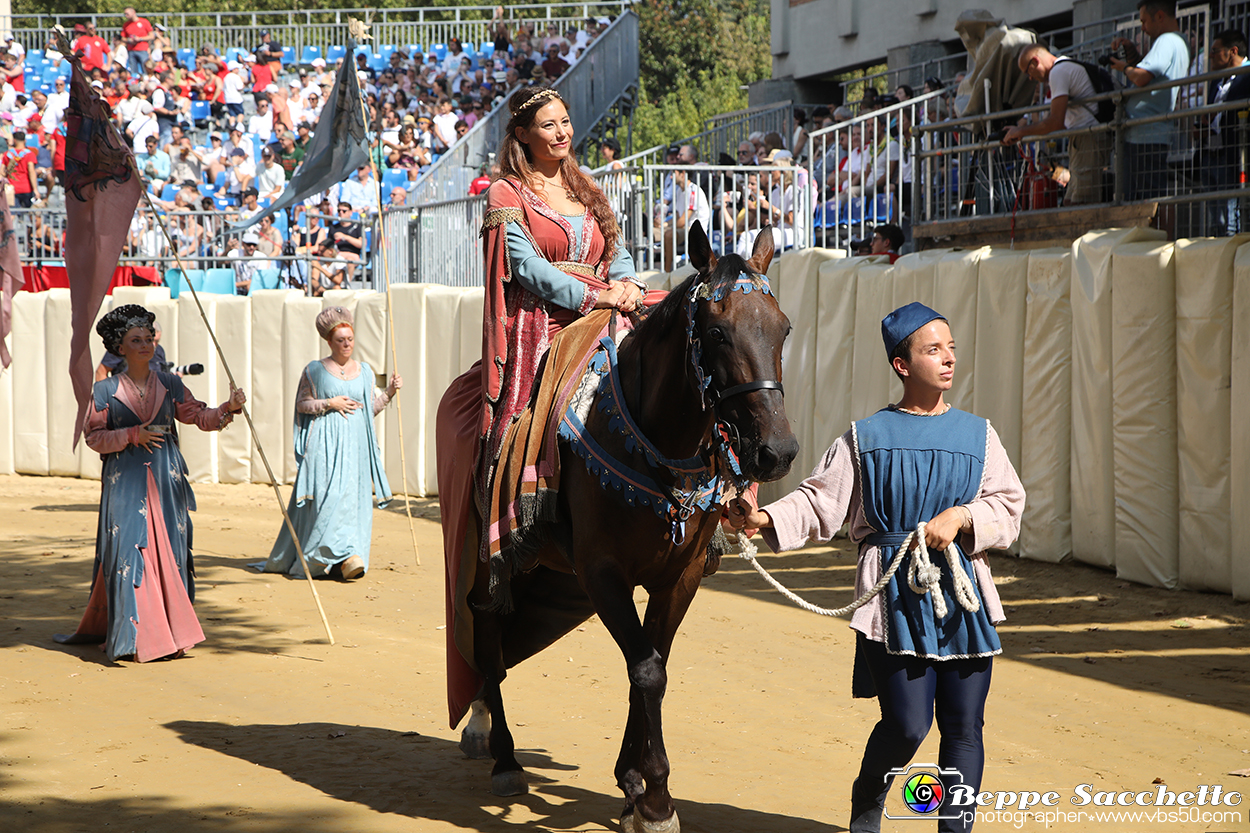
270, 400
1239, 443
998, 384
300, 345
6, 418
31, 377
1143, 411
1204, 328
233, 324
1046, 415
873, 384
835, 354
955, 296
1093, 472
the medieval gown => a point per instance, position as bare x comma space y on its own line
559, 268
340, 473
143, 581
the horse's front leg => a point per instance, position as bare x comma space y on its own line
507, 777
642, 769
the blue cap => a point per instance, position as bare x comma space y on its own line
904, 321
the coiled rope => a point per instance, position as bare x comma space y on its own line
922, 576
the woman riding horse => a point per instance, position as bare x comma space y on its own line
553, 253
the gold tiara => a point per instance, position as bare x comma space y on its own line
542, 95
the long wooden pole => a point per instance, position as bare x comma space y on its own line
220, 354
390, 326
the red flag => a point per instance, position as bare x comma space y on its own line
11, 279
102, 190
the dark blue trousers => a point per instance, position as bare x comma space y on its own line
912, 692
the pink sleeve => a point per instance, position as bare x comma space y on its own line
306, 401
102, 439
817, 509
194, 412
996, 511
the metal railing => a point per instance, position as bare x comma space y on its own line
962, 174
864, 170
444, 243
424, 26
725, 132
203, 242
606, 70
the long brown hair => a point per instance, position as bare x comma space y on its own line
514, 163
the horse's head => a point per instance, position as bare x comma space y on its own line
736, 336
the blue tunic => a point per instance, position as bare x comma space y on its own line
340, 472
913, 468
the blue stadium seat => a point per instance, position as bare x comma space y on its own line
169, 192
221, 180
487, 52
219, 282
206, 190
391, 178
310, 54
265, 279
386, 50
439, 50
186, 57
46, 87
364, 49
375, 62
469, 48
288, 55
412, 48
34, 56
334, 53
235, 53
200, 111
50, 73
280, 223
222, 203
179, 281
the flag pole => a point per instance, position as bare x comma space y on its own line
357, 28
147, 197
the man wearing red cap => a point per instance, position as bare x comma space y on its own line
927, 651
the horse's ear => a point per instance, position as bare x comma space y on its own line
762, 253
701, 255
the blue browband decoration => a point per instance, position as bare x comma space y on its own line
700, 482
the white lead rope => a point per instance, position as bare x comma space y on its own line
922, 576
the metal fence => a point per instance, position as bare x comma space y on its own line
723, 133
863, 170
1195, 173
322, 29
606, 70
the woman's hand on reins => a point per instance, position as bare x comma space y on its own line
621, 295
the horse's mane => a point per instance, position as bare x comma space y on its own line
671, 312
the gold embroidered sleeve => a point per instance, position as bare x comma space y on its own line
501, 217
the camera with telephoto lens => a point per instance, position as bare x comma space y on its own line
1120, 54
183, 369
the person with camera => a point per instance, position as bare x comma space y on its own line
1147, 145
925, 644
1087, 153
143, 584
1218, 134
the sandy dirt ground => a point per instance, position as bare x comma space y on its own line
266, 728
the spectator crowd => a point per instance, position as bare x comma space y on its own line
218, 136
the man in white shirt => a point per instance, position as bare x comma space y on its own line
689, 204
260, 125
232, 86
271, 178
59, 98
1087, 154
142, 127
360, 191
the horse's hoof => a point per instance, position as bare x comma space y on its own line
638, 824
509, 783
627, 824
476, 747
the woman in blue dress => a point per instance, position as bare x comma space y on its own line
340, 467
928, 653
144, 580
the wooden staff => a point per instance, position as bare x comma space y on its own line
217, 345
357, 29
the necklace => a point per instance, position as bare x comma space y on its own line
945, 407
341, 369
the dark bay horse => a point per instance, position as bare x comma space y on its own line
601, 547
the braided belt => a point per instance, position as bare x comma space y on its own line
574, 267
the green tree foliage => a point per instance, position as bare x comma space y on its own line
695, 58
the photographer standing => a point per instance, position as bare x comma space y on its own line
1087, 154
1147, 145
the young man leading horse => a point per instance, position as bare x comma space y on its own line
929, 653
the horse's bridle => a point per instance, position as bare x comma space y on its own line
710, 396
